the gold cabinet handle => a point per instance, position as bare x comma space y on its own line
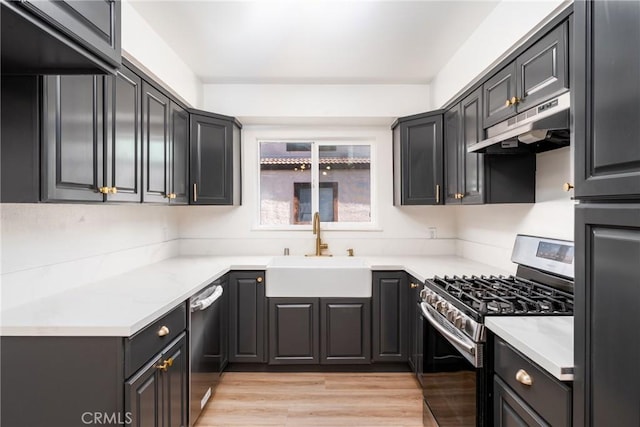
113, 190
413, 285
104, 190
259, 279
163, 331
524, 378
507, 103
166, 364
195, 192
515, 100
567, 186
172, 196
437, 194
349, 252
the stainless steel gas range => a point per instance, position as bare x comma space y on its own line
454, 371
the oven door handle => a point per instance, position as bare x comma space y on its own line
471, 349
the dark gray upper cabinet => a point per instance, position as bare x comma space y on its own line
123, 138
418, 160
607, 295
464, 171
247, 317
542, 71
215, 160
155, 145
389, 317
63, 36
539, 73
73, 138
294, 325
345, 331
179, 156
497, 93
605, 100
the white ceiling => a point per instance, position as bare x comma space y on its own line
307, 41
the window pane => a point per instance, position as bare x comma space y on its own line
345, 183
285, 183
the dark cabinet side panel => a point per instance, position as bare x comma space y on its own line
605, 101
293, 331
345, 331
123, 139
155, 143
389, 320
471, 164
451, 153
247, 317
608, 295
73, 138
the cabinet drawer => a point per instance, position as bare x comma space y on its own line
549, 397
146, 343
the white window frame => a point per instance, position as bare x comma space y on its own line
315, 179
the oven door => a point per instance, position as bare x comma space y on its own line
453, 377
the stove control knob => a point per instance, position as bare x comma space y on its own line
459, 322
452, 313
440, 305
444, 306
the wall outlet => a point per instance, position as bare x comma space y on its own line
432, 233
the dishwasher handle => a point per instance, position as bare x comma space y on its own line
203, 304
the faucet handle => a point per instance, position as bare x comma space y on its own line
350, 252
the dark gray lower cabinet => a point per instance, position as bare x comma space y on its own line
247, 317
389, 318
77, 381
546, 401
607, 295
345, 330
414, 319
294, 325
157, 395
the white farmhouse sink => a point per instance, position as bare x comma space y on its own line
299, 276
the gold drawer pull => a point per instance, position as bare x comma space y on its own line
259, 279
166, 364
414, 286
164, 331
523, 377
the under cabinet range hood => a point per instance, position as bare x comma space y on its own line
546, 126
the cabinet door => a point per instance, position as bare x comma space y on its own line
93, 24
175, 396
509, 410
421, 161
451, 155
179, 156
543, 69
345, 331
247, 317
142, 396
155, 144
211, 161
124, 141
294, 324
605, 102
607, 296
471, 164
496, 92
389, 319
73, 138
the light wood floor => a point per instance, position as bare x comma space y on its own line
315, 399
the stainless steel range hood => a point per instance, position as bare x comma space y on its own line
546, 125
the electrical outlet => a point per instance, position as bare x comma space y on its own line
432, 233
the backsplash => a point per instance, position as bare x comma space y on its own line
486, 232
49, 248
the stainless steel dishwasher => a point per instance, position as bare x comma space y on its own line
207, 345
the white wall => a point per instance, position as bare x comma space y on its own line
400, 230
278, 100
486, 232
506, 26
48, 248
147, 47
